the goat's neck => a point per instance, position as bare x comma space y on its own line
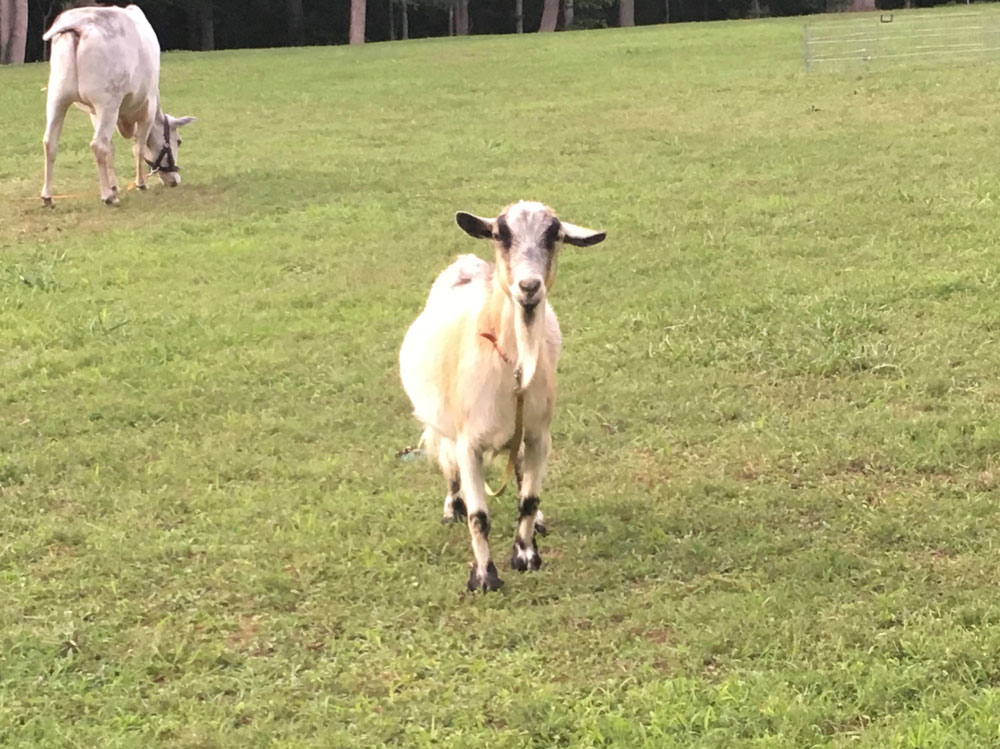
519, 339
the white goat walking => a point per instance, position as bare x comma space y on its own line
486, 338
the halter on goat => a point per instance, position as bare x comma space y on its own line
165, 151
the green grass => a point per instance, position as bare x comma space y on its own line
774, 484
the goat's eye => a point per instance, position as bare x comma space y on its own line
179, 141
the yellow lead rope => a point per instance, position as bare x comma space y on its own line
128, 188
518, 418
515, 447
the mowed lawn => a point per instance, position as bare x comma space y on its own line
774, 492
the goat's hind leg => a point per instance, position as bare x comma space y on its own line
55, 113
454, 504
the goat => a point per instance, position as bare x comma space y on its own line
487, 338
107, 62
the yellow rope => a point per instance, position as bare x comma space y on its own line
515, 447
131, 186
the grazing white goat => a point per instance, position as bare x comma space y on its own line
107, 62
486, 337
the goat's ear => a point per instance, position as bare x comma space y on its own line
182, 121
580, 237
476, 226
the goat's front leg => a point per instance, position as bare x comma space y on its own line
470, 466
540, 526
101, 145
142, 129
524, 556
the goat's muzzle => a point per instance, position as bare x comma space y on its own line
529, 293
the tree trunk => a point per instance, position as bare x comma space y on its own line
462, 18
201, 27
296, 22
626, 12
405, 22
666, 7
519, 16
755, 8
550, 14
206, 25
357, 32
392, 25
567, 13
13, 31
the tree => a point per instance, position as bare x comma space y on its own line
13, 31
626, 12
461, 17
567, 13
550, 14
357, 32
43, 11
519, 16
201, 25
296, 22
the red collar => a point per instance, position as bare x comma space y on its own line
491, 337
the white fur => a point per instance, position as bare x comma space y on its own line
462, 390
107, 61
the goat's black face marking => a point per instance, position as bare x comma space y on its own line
552, 235
481, 521
503, 235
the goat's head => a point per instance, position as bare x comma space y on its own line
527, 237
162, 147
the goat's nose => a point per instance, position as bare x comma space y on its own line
530, 286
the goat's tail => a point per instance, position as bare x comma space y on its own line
430, 441
61, 26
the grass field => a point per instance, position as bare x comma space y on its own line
774, 485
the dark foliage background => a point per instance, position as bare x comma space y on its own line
227, 24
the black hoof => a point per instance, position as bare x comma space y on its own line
490, 582
47, 202
525, 558
142, 187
